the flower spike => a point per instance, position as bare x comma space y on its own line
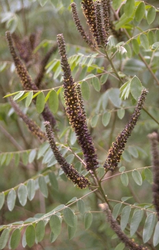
74, 111
43, 63
89, 12
154, 138
106, 17
32, 126
129, 243
118, 146
79, 26
68, 169
26, 80
99, 23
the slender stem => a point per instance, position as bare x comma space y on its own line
13, 141
153, 118
112, 65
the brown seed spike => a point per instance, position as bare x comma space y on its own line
100, 30
89, 12
79, 26
155, 169
117, 148
32, 126
129, 243
21, 70
74, 110
106, 17
26, 80
68, 169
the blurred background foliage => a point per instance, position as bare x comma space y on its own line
23, 157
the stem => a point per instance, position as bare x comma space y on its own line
153, 118
13, 141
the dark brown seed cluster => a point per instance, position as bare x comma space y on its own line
129, 243
21, 69
89, 12
43, 64
100, 30
26, 80
155, 168
106, 17
32, 126
118, 146
80, 100
79, 26
74, 111
68, 169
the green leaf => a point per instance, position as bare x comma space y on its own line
133, 151
72, 230
85, 90
121, 113
53, 101
4, 238
135, 221
42, 2
120, 246
53, 180
137, 177
25, 158
55, 225
151, 15
125, 214
140, 12
116, 4
114, 97
124, 179
40, 102
11, 199
22, 194
96, 84
42, 150
116, 210
106, 118
151, 37
69, 217
129, 50
40, 231
2, 199
149, 227
31, 189
156, 235
29, 99
125, 90
129, 7
135, 46
94, 121
136, 87
81, 206
148, 175
30, 235
43, 186
32, 155
88, 218
16, 159
104, 78
15, 238
16, 97
144, 41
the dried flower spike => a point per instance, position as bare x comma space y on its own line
26, 80
155, 169
21, 69
100, 30
79, 95
106, 17
118, 146
43, 64
74, 111
79, 26
129, 243
32, 126
89, 12
68, 169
